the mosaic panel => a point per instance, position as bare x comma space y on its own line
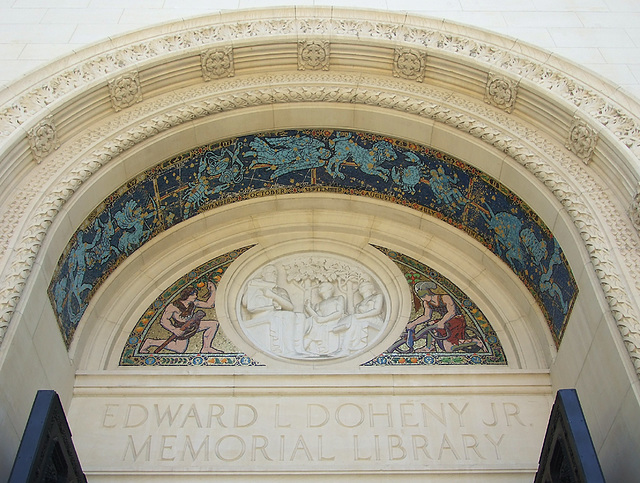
313, 160
180, 328
445, 327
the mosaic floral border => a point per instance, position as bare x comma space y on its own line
353, 163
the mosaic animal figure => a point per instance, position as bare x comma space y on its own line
102, 248
444, 189
536, 248
369, 161
132, 217
407, 178
287, 154
506, 228
77, 267
546, 285
227, 169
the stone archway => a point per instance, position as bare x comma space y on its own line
545, 132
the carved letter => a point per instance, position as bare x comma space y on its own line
395, 442
194, 454
253, 417
313, 424
515, 410
459, 412
442, 417
446, 444
217, 415
416, 446
143, 416
495, 444
278, 423
356, 423
146, 446
473, 444
495, 416
373, 414
356, 450
241, 449
192, 413
170, 416
300, 444
108, 414
404, 415
164, 446
321, 457
264, 442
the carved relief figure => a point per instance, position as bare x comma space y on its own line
367, 317
183, 321
270, 308
322, 337
329, 308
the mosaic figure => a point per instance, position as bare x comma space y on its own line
506, 228
288, 154
184, 318
444, 189
369, 161
407, 178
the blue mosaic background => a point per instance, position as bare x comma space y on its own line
313, 160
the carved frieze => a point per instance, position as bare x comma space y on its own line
313, 55
582, 140
217, 63
501, 92
43, 138
409, 64
125, 91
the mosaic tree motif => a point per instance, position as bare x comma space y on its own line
313, 160
181, 326
445, 326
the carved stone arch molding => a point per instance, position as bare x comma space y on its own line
60, 132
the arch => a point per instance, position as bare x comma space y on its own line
564, 141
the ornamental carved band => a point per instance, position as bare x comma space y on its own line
634, 210
409, 64
125, 91
217, 63
313, 55
43, 139
501, 92
582, 140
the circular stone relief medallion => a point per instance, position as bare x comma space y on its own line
312, 307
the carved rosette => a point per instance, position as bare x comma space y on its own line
125, 91
313, 55
217, 63
409, 64
501, 92
582, 140
43, 139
